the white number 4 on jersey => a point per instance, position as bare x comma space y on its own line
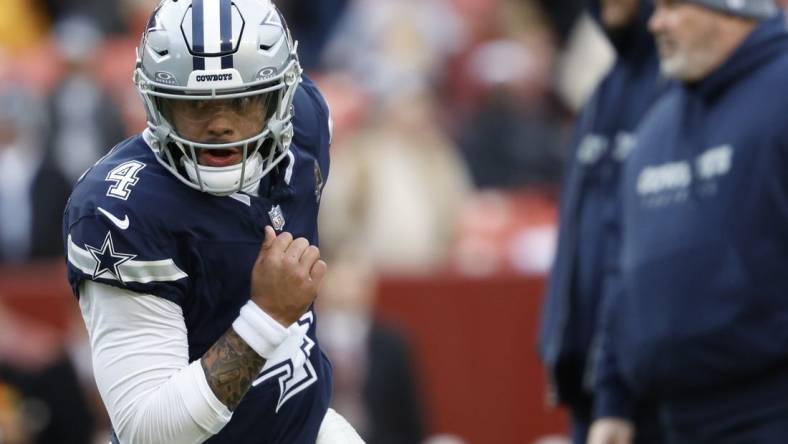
124, 177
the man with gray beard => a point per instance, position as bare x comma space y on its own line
701, 321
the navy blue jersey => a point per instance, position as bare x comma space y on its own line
131, 224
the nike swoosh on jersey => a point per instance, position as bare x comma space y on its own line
122, 224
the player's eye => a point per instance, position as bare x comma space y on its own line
243, 104
197, 105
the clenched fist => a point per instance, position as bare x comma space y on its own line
286, 276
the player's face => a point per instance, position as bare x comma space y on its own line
687, 37
617, 14
219, 121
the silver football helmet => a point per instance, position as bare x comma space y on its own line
238, 52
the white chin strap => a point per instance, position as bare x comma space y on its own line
226, 180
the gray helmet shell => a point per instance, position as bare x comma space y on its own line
217, 50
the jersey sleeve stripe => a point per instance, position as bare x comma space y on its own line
142, 272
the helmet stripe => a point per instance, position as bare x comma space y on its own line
226, 19
198, 34
213, 33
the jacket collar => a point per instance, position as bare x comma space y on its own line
763, 44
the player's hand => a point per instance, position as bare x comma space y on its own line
286, 276
611, 431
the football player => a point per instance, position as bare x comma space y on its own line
192, 246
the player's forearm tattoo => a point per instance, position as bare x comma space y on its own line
230, 366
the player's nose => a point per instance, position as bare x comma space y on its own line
219, 127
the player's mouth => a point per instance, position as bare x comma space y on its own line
220, 157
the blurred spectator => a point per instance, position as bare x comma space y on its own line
586, 59
514, 137
41, 398
32, 194
375, 386
107, 15
83, 119
312, 24
22, 25
393, 48
349, 106
52, 404
400, 175
563, 14
589, 242
11, 422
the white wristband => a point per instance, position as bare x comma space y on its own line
259, 330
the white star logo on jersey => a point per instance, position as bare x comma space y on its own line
290, 363
107, 259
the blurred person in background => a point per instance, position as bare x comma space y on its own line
401, 174
106, 15
312, 24
83, 120
375, 384
394, 48
32, 192
563, 15
700, 324
585, 267
41, 397
513, 136
11, 423
23, 25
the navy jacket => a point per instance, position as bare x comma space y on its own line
197, 250
704, 301
589, 230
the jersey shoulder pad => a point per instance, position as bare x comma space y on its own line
312, 121
113, 225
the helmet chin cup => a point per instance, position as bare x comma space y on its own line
226, 180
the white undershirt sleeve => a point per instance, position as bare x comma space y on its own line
141, 363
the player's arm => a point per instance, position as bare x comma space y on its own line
284, 285
230, 366
140, 348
